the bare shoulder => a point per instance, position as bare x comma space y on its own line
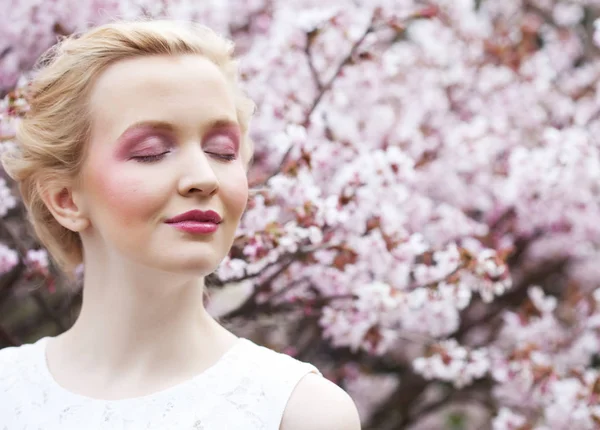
319, 404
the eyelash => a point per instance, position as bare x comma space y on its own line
149, 158
226, 157
153, 158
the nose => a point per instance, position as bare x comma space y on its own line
197, 175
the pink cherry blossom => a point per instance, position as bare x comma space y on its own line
8, 258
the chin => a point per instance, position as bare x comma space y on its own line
198, 266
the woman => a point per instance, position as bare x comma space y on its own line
132, 161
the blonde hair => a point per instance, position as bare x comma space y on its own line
52, 135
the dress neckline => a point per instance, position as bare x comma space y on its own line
47, 375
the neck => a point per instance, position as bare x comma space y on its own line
133, 319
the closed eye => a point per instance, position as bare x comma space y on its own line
226, 157
150, 158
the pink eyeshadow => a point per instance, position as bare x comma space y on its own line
129, 139
231, 131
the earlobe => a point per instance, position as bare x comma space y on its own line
66, 208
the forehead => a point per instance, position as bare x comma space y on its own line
178, 89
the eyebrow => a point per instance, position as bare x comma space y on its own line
165, 125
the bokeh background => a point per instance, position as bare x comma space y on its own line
425, 225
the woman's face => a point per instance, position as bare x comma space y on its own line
164, 141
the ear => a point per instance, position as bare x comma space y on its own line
67, 206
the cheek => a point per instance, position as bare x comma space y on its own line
123, 197
235, 191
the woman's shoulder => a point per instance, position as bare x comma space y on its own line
308, 400
318, 404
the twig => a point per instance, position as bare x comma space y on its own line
322, 90
250, 302
396, 408
344, 62
515, 296
310, 38
287, 288
5, 52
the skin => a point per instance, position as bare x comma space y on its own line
143, 327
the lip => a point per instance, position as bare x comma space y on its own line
196, 216
196, 221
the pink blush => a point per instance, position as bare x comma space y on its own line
236, 188
129, 199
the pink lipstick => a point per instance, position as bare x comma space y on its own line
196, 221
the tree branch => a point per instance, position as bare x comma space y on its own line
513, 297
323, 88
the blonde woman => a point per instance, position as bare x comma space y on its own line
132, 160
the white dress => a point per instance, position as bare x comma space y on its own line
248, 388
